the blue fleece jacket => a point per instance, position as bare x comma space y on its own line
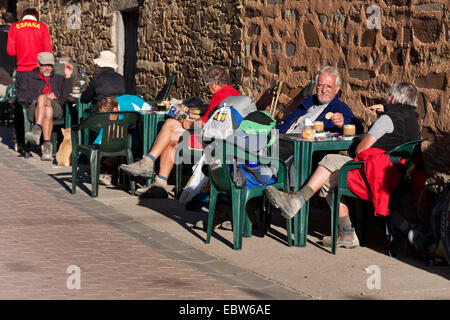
335, 105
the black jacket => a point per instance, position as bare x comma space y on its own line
6, 61
31, 85
106, 83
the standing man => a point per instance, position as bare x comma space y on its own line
44, 95
26, 39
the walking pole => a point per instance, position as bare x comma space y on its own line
279, 90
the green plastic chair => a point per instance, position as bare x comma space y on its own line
408, 151
116, 141
221, 182
5, 102
57, 123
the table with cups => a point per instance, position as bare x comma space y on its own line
303, 152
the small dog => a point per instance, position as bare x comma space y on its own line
65, 149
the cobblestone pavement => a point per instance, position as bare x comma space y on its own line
47, 233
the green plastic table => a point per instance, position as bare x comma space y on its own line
150, 126
303, 152
82, 113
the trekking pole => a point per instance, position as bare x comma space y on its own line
279, 90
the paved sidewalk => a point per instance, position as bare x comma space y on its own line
46, 230
128, 248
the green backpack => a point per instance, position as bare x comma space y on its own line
259, 123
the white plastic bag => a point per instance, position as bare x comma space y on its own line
196, 182
219, 125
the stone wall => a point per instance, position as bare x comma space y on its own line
186, 37
261, 41
291, 40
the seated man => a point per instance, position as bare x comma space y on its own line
44, 92
106, 82
315, 107
218, 82
397, 125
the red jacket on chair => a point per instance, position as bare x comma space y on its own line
376, 180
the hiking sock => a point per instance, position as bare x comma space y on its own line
306, 192
151, 157
345, 222
49, 141
161, 180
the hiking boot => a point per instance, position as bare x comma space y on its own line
142, 168
34, 136
288, 203
346, 238
156, 190
105, 179
47, 148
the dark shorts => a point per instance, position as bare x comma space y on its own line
57, 110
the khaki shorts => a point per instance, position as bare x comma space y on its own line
333, 162
57, 110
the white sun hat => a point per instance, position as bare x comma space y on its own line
106, 59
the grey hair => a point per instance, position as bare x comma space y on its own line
217, 74
405, 93
330, 71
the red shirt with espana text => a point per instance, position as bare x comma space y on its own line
26, 39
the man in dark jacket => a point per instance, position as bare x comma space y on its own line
316, 107
7, 62
44, 92
107, 82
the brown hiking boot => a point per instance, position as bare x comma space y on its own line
47, 154
142, 168
34, 136
158, 189
288, 203
346, 238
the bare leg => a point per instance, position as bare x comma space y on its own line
164, 146
44, 116
165, 137
318, 178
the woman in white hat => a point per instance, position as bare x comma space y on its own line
106, 82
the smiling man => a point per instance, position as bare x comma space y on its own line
326, 100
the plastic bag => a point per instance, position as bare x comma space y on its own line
196, 183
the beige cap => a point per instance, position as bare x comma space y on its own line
46, 58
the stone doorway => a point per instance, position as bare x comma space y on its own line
11, 6
130, 23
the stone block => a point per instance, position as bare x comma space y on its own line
429, 7
432, 81
310, 34
426, 29
361, 74
290, 49
368, 38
